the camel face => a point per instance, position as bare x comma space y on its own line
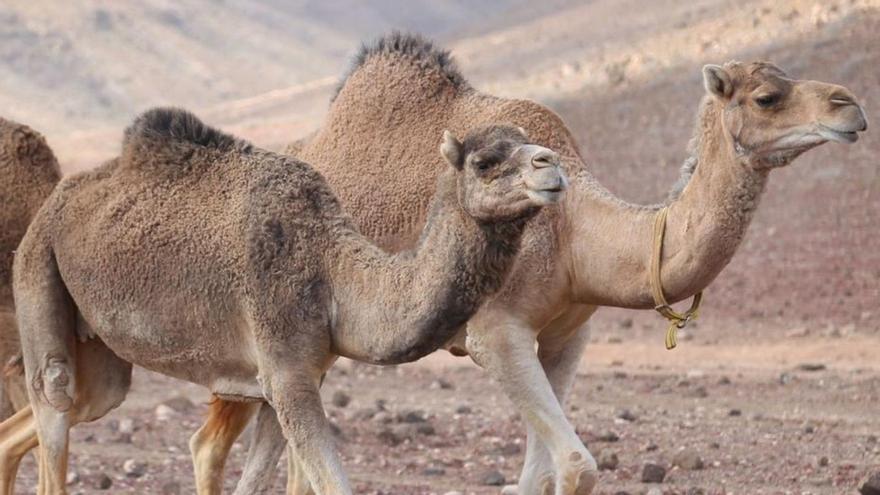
503, 175
773, 118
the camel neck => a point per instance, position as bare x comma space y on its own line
398, 308
611, 240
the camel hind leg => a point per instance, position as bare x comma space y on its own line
210, 445
18, 435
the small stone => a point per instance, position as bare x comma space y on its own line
412, 417
653, 473
164, 413
622, 492
701, 392
180, 404
734, 412
809, 429
453, 493
871, 486
103, 482
654, 491
433, 471
340, 399
510, 490
335, 430
171, 488
126, 426
608, 460
811, 367
784, 378
441, 384
724, 381
688, 459
426, 429
493, 478
695, 491
72, 478
823, 461
651, 447
508, 450
608, 436
626, 323
463, 409
715, 445
627, 415
390, 438
133, 468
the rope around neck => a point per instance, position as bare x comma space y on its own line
676, 320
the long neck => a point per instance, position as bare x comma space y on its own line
398, 308
611, 240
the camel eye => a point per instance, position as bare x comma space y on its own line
767, 101
484, 164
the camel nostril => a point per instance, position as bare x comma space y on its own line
842, 99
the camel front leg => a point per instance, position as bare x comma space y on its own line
18, 435
297, 482
210, 445
559, 353
507, 352
297, 403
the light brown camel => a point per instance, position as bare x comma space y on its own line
402, 91
202, 257
28, 173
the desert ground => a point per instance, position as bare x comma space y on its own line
775, 389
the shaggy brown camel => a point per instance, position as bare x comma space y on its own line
202, 257
28, 173
402, 91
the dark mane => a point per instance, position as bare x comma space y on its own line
176, 125
413, 46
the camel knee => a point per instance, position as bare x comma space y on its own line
54, 382
498, 346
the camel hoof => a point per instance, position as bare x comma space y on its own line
587, 481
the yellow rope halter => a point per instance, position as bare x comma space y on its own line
676, 320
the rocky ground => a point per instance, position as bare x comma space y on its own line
794, 416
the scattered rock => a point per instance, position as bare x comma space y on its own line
627, 415
651, 447
453, 493
493, 478
654, 491
133, 468
508, 450
463, 409
412, 417
871, 486
695, 491
811, 367
72, 478
809, 429
126, 426
797, 332
626, 323
425, 429
164, 413
688, 459
389, 437
179, 404
724, 381
734, 412
784, 378
510, 490
340, 399
607, 436
701, 392
441, 384
103, 482
653, 473
823, 461
433, 471
608, 460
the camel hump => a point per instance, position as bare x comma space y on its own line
168, 129
409, 45
26, 146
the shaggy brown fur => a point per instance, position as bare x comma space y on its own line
754, 118
28, 173
200, 256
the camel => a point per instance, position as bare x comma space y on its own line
28, 173
402, 90
198, 255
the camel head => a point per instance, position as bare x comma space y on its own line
772, 118
501, 175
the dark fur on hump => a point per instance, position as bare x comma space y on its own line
414, 46
168, 125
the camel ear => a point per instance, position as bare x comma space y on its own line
717, 81
452, 151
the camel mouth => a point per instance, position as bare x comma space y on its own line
831, 134
546, 197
